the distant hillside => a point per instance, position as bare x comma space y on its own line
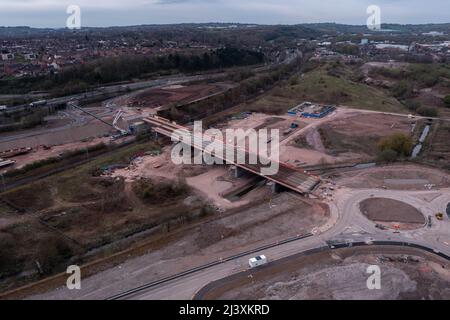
222, 32
333, 28
174, 32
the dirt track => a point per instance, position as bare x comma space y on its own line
396, 177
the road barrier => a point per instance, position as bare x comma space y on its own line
332, 245
206, 266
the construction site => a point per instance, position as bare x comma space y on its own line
341, 275
242, 151
122, 206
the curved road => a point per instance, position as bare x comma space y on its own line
347, 225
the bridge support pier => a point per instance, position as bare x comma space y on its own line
238, 172
196, 154
275, 187
186, 147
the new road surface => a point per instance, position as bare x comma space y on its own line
346, 224
350, 226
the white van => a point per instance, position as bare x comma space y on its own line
257, 261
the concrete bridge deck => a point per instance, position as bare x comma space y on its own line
287, 176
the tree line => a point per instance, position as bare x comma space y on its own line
103, 71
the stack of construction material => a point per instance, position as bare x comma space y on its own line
6, 163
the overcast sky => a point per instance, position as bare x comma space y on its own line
52, 13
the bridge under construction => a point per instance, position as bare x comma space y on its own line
287, 176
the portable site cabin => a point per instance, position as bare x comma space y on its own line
257, 261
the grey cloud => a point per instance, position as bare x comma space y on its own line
131, 12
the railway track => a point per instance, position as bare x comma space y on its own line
26, 180
130, 293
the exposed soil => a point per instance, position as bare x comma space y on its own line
389, 210
161, 97
266, 222
69, 135
398, 177
86, 210
217, 181
360, 133
264, 121
437, 148
342, 275
39, 153
390, 65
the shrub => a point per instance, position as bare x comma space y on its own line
403, 90
7, 263
427, 112
400, 143
447, 101
155, 193
412, 105
388, 155
52, 251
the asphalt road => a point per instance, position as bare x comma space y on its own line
350, 226
346, 224
163, 81
290, 56
83, 119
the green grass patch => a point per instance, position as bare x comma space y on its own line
33, 197
321, 87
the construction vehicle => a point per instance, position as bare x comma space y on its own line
440, 216
380, 226
118, 115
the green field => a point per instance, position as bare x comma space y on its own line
321, 87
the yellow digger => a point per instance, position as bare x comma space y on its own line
440, 216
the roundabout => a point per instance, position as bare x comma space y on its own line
392, 214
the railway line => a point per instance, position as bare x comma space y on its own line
351, 229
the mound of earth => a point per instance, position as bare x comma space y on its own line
389, 210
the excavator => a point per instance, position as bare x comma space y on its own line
440, 216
